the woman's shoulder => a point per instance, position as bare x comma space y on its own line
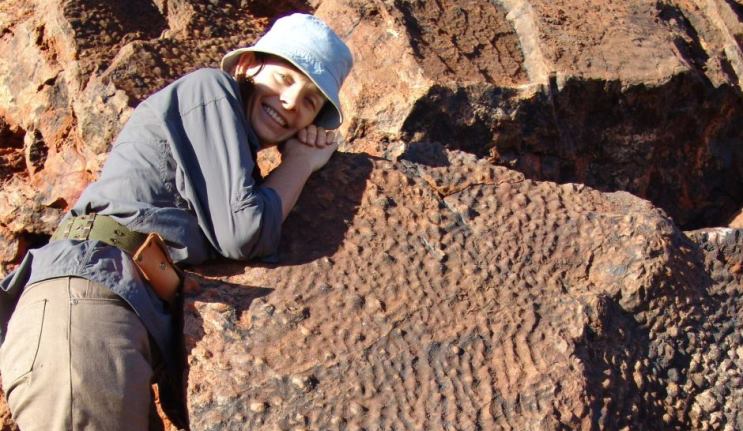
208, 78
196, 88
208, 73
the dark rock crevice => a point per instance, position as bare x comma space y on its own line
675, 144
687, 40
101, 28
737, 7
11, 150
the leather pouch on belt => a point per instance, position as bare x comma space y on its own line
157, 267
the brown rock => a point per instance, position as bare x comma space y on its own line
616, 95
435, 289
737, 221
552, 298
6, 421
722, 250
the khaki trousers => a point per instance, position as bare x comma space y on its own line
76, 357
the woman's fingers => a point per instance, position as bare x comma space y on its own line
322, 138
330, 137
317, 136
311, 135
315, 157
325, 137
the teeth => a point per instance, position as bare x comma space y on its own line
275, 115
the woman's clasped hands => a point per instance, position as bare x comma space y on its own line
312, 144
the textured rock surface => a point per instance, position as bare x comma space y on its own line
463, 296
421, 285
642, 96
723, 383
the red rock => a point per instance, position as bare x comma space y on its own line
640, 96
722, 250
502, 297
737, 221
6, 422
435, 289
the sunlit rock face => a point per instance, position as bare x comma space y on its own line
504, 242
461, 295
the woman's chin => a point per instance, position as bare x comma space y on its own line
268, 139
267, 144
271, 135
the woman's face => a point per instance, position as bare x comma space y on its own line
284, 100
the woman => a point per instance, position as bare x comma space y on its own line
92, 325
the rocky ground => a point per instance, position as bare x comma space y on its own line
532, 225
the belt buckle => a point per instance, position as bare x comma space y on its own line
81, 226
76, 228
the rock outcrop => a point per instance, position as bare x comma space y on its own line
641, 96
722, 397
503, 243
466, 296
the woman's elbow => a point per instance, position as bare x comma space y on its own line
249, 242
254, 227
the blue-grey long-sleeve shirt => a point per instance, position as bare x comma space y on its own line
182, 166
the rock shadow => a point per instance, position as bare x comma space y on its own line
637, 364
644, 140
736, 7
275, 9
614, 342
431, 154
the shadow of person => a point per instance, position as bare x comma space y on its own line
317, 225
314, 229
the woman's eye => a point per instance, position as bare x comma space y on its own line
283, 77
310, 102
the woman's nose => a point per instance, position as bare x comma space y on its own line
290, 97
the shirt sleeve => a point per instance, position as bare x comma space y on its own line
209, 136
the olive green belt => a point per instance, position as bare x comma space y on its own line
148, 251
101, 228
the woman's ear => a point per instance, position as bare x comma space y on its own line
244, 63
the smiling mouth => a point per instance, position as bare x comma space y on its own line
275, 115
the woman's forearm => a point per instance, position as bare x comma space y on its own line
298, 162
287, 180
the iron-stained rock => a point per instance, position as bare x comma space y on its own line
431, 276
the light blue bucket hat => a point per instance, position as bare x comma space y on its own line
312, 47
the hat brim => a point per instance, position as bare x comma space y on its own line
327, 119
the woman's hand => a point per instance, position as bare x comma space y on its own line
314, 136
312, 156
298, 162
